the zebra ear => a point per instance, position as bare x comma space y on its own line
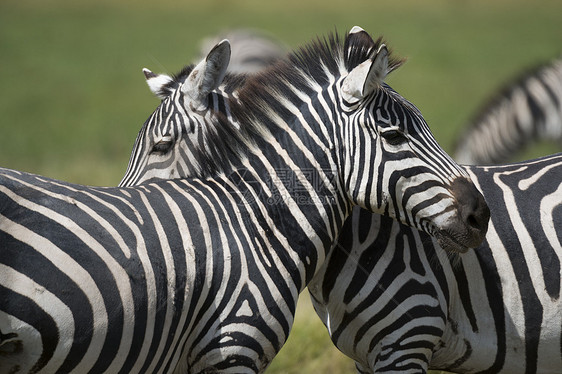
358, 42
208, 74
158, 83
378, 70
366, 77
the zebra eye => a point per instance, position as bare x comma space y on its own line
162, 146
394, 137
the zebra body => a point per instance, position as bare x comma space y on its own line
203, 274
527, 110
145, 280
393, 302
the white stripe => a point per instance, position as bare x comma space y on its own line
72, 270
120, 275
49, 303
171, 283
524, 184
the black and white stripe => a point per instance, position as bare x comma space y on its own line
405, 290
527, 110
393, 302
203, 274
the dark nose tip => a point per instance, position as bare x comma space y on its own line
473, 208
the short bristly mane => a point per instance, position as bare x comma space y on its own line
306, 69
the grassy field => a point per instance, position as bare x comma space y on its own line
73, 96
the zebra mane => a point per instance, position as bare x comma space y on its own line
258, 95
314, 64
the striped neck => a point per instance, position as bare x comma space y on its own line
291, 165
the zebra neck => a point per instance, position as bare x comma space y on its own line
301, 207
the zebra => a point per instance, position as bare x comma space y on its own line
526, 110
393, 301
203, 274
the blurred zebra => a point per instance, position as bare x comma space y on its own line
203, 274
252, 50
408, 307
527, 110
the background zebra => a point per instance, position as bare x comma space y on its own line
204, 274
407, 306
527, 110
252, 50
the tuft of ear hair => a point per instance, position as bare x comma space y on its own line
207, 75
367, 76
379, 68
358, 44
157, 83
368, 63
356, 29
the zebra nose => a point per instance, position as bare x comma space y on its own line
473, 209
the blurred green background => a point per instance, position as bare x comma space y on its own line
73, 97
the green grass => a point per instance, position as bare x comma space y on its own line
72, 95
309, 349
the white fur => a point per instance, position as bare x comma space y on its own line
208, 74
367, 76
156, 82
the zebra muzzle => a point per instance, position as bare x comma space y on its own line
469, 228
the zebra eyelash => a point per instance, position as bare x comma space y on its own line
394, 137
162, 146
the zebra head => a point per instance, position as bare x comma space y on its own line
167, 144
416, 182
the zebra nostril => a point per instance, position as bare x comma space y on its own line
472, 222
473, 208
478, 218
